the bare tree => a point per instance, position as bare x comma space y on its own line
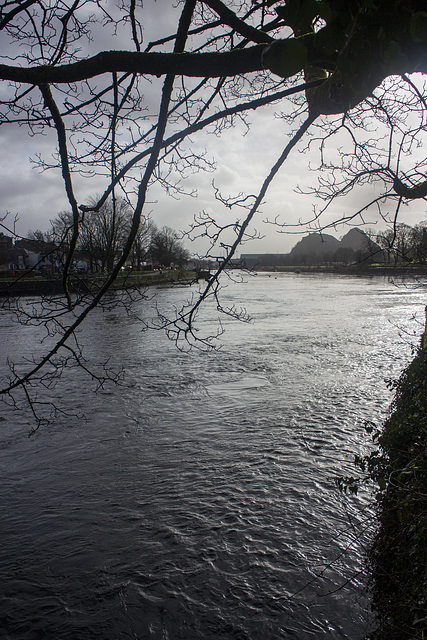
141, 246
102, 234
166, 248
338, 71
37, 235
419, 242
399, 243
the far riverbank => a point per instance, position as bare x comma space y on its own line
44, 285
47, 285
364, 270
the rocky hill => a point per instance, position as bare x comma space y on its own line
355, 247
318, 244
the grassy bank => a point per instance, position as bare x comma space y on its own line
38, 285
398, 557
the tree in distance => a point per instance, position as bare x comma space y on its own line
342, 71
102, 234
166, 248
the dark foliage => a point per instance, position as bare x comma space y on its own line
399, 553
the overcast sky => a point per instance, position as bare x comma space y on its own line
243, 159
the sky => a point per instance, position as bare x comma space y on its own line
243, 159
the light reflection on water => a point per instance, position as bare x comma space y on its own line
197, 500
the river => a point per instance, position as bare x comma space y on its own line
196, 500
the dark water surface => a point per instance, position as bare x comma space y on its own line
197, 500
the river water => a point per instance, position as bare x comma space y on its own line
197, 499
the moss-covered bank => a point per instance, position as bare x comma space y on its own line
398, 557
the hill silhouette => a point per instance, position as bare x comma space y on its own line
316, 244
320, 248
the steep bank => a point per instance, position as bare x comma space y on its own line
398, 557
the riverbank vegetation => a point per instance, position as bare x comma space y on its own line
91, 282
102, 238
38, 285
397, 559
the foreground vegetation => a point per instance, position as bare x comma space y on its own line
398, 466
399, 553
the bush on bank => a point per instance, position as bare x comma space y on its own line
398, 556
398, 465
